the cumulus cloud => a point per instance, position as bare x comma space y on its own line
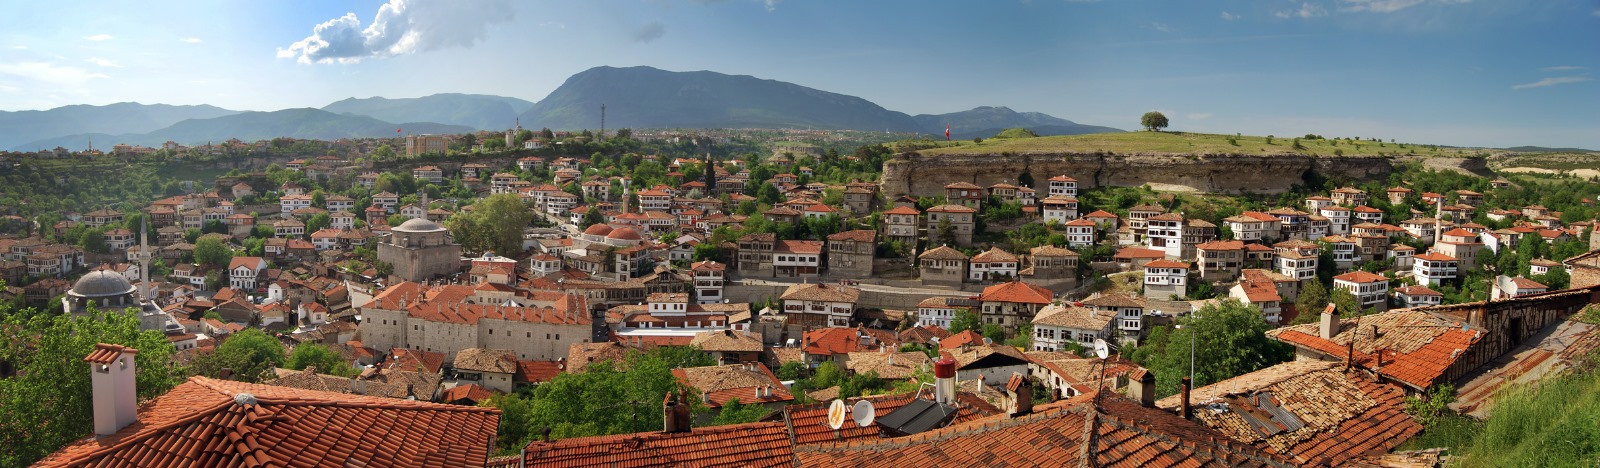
1561, 68
49, 72
1307, 10
650, 32
771, 4
1552, 82
191, 40
400, 27
1229, 16
102, 62
98, 37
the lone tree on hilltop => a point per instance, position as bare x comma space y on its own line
1153, 121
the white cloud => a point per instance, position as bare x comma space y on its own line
1378, 6
98, 37
1161, 27
49, 72
1307, 10
1596, 12
1552, 82
102, 62
1199, 116
1562, 68
1229, 16
191, 40
650, 32
772, 5
20, 47
400, 27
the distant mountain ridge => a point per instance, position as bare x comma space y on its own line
645, 97
637, 97
479, 111
20, 127
304, 123
985, 121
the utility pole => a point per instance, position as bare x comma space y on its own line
602, 121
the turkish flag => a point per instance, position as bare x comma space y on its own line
946, 132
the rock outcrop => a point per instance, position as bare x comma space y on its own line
925, 175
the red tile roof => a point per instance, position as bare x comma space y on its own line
831, 341
207, 422
1412, 346
762, 444
1018, 292
808, 423
1166, 264
469, 393
966, 337
1359, 276
1340, 414
1086, 431
1135, 252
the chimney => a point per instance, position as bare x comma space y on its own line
1330, 323
1020, 392
111, 374
669, 415
1183, 401
1349, 354
1143, 388
944, 376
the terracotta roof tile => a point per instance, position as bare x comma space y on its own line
762, 444
1108, 430
1018, 292
1412, 346
808, 423
200, 423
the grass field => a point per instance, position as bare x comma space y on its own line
1189, 143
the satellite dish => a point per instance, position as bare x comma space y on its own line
836, 414
1101, 350
864, 413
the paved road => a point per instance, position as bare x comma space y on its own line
877, 288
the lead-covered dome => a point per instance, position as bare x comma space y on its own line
102, 283
418, 225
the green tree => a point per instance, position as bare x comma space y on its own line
1228, 339
1153, 121
318, 222
495, 224
966, 320
48, 403
734, 412
994, 332
1313, 297
325, 360
1344, 303
603, 399
249, 354
211, 251
384, 152
94, 241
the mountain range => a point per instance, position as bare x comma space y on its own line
637, 97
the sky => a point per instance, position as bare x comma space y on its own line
1456, 72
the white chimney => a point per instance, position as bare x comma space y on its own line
111, 374
1329, 326
944, 388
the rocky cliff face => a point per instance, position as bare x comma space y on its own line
922, 175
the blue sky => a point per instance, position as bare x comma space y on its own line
1458, 72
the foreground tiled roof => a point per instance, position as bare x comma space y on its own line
1415, 347
763, 444
1312, 411
808, 422
206, 422
1112, 431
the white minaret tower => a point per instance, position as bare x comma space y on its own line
145, 293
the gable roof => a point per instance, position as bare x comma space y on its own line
1017, 291
762, 444
1414, 347
1088, 430
1313, 411
208, 422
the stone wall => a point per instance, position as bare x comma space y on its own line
925, 175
